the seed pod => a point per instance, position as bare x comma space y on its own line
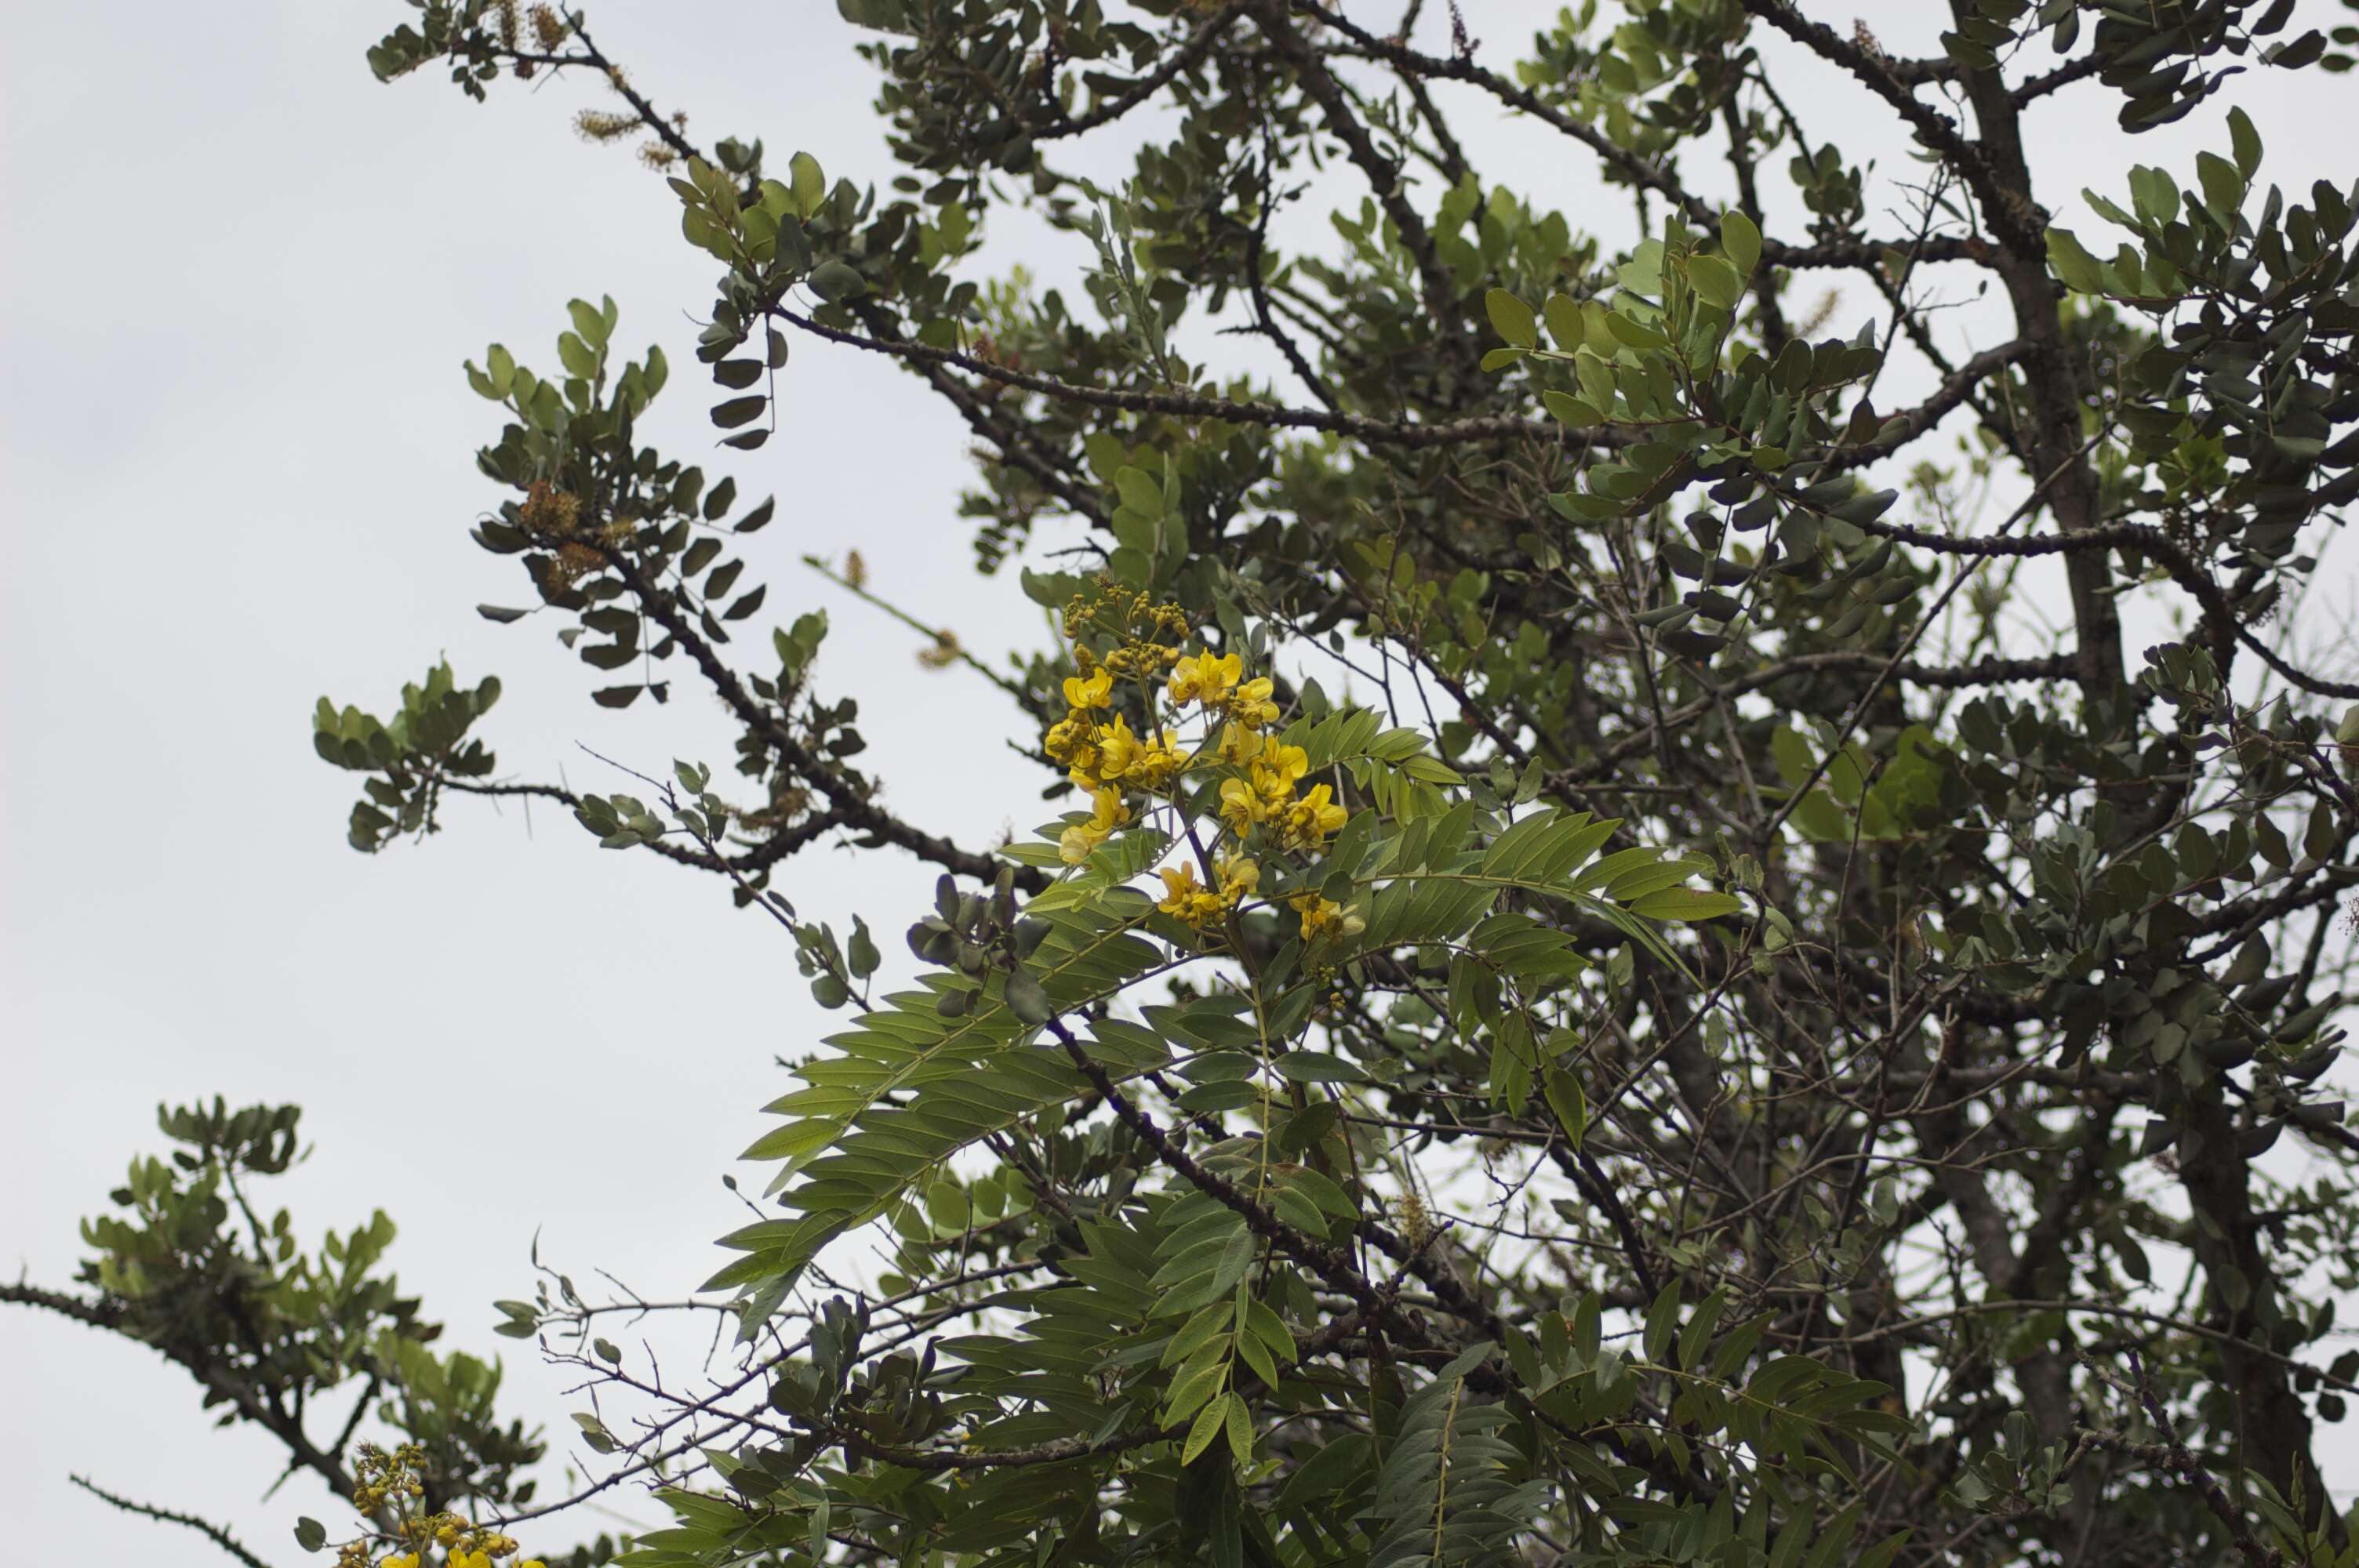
1027, 1000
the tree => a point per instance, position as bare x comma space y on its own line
1739, 1056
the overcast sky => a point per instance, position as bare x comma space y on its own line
235, 471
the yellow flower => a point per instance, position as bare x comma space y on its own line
1278, 767
1239, 744
1188, 901
1185, 899
1207, 678
1158, 762
1242, 806
1239, 878
1251, 706
1070, 737
1267, 791
1320, 916
1089, 691
470, 1559
1080, 840
400, 1560
1117, 748
1307, 822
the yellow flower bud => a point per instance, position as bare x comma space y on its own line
1325, 918
1251, 705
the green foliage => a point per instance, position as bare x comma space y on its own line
1735, 1041
409, 758
190, 1266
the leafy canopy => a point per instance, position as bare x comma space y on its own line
1740, 1045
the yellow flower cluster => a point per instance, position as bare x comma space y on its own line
1105, 758
1265, 795
391, 1481
1185, 900
1147, 763
464, 1545
388, 1479
1146, 635
1102, 755
1215, 681
1080, 840
1117, 766
1325, 917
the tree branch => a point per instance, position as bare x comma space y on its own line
206, 1528
1190, 406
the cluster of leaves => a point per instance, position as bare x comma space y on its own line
285, 1338
426, 743
1483, 1190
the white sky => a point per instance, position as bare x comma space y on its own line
235, 471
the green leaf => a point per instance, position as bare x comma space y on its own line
1740, 238
587, 321
579, 357
1512, 319
808, 183
1715, 281
835, 280
1662, 1319
1796, 759
1680, 905
1697, 1334
1240, 1429
2246, 142
2074, 264
1140, 492
860, 953
1571, 1105
1317, 1067
1632, 333
1570, 410
739, 411
1565, 323
310, 1534
2224, 186
1210, 1421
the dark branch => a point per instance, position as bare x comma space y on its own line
206, 1528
